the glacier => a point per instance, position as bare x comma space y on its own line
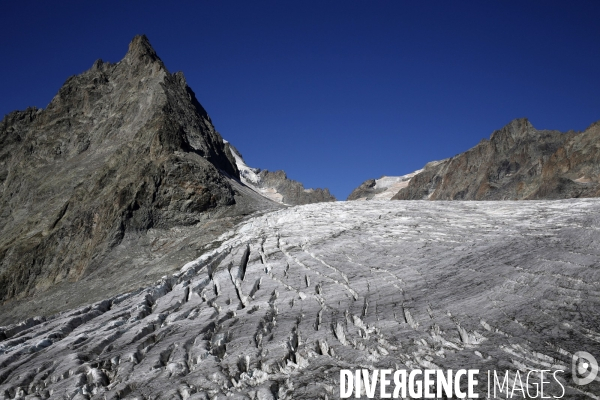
289, 298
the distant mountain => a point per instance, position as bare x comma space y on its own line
276, 186
517, 162
120, 180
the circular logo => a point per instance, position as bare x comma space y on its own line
584, 368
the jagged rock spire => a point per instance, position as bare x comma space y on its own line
140, 49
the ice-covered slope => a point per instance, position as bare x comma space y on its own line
291, 297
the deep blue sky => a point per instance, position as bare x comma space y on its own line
333, 92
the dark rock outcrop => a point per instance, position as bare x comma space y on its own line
366, 190
122, 149
517, 162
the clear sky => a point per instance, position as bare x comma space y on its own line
332, 92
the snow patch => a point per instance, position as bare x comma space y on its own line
250, 178
248, 174
392, 185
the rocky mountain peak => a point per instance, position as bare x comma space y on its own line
516, 129
121, 149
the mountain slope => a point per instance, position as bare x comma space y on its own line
121, 151
517, 162
289, 298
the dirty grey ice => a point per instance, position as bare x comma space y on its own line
290, 297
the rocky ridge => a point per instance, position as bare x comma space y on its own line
517, 162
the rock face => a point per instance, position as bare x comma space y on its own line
518, 162
289, 298
276, 185
383, 188
122, 150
